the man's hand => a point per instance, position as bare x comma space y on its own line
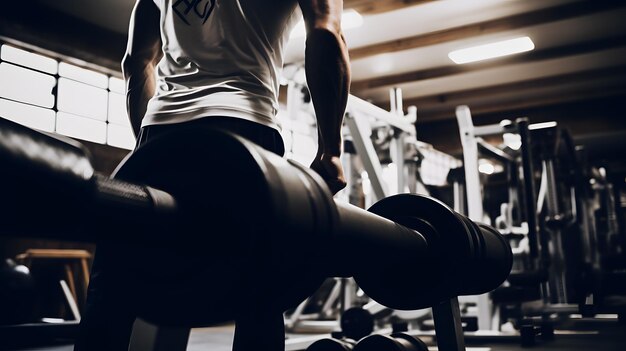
331, 170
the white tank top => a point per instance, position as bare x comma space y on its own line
221, 58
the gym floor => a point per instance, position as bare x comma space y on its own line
604, 335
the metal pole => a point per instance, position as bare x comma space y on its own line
365, 149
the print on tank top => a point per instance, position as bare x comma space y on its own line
201, 8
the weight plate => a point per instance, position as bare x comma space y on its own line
356, 323
451, 248
411, 343
378, 342
330, 345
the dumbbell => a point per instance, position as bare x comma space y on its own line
17, 294
332, 344
202, 217
356, 323
393, 342
529, 333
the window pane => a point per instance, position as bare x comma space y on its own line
121, 136
82, 99
117, 109
117, 85
28, 59
83, 75
81, 128
28, 115
25, 85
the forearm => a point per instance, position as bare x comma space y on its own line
140, 87
328, 77
142, 54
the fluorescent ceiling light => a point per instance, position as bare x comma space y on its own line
492, 50
543, 125
349, 19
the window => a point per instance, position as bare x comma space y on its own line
83, 75
81, 128
28, 115
25, 85
28, 59
117, 85
120, 136
117, 109
82, 99
42, 93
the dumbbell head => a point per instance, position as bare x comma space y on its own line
464, 258
40, 173
356, 323
394, 342
17, 294
332, 345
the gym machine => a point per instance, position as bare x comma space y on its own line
208, 209
373, 138
364, 120
553, 231
532, 249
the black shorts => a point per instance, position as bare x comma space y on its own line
264, 136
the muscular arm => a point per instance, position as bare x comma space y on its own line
328, 77
142, 54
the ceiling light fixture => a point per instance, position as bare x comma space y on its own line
349, 19
492, 50
542, 125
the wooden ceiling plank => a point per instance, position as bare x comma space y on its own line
368, 7
562, 79
532, 56
522, 103
532, 18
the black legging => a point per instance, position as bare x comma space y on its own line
109, 313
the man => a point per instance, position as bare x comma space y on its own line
217, 64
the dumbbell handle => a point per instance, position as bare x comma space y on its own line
361, 232
135, 203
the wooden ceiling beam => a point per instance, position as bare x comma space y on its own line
551, 14
575, 116
66, 36
525, 103
460, 97
532, 56
368, 7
